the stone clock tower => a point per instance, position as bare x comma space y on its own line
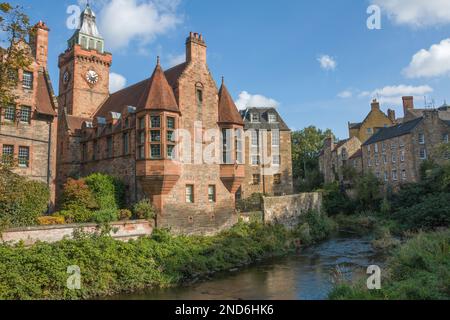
83, 88
84, 70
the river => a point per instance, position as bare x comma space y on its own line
307, 275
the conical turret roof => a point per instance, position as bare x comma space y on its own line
159, 94
228, 112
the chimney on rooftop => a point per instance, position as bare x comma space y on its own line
391, 115
39, 43
195, 48
375, 105
408, 104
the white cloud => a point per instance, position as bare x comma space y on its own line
327, 62
394, 94
125, 21
247, 100
345, 94
433, 62
416, 13
116, 82
175, 60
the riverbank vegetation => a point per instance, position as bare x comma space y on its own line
417, 270
419, 215
110, 267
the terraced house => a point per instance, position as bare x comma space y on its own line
28, 127
395, 154
135, 134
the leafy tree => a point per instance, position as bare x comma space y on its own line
368, 191
15, 26
306, 147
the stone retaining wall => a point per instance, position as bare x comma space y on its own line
287, 209
123, 231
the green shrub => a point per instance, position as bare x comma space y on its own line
22, 201
75, 214
431, 213
105, 216
77, 194
144, 210
124, 214
336, 201
368, 192
109, 192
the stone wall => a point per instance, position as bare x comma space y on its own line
287, 209
123, 231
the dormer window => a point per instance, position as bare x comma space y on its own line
255, 117
273, 118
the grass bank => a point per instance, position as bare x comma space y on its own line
417, 270
111, 267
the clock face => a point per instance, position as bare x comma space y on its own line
92, 77
66, 77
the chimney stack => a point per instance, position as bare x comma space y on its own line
408, 104
391, 115
39, 43
196, 48
375, 105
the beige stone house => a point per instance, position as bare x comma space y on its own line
375, 120
28, 127
334, 157
268, 165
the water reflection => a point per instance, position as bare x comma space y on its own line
306, 276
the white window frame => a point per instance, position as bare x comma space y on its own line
421, 138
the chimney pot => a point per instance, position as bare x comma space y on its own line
408, 104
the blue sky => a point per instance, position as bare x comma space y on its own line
270, 52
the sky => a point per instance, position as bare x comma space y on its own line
320, 62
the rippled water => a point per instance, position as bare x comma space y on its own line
305, 276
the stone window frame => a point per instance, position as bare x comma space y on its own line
254, 139
276, 160
421, 138
25, 114
277, 179
153, 147
256, 179
394, 157
445, 138
272, 118
27, 80
255, 117
404, 175
212, 193
402, 156
375, 148
394, 175
23, 156
276, 138
190, 193
423, 154
9, 115
239, 146
257, 158
141, 137
7, 156
171, 127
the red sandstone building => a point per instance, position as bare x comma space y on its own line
152, 135
28, 127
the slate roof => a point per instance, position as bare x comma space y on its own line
392, 132
228, 112
131, 95
355, 125
357, 154
44, 98
263, 123
158, 95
